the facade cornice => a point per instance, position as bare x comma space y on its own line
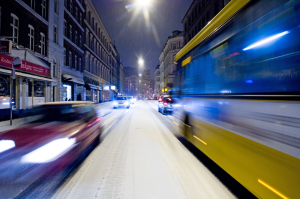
71, 16
68, 40
91, 75
32, 12
81, 7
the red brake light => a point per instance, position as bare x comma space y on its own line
166, 104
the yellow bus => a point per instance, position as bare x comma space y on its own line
238, 81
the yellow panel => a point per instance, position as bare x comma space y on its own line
228, 11
186, 61
249, 162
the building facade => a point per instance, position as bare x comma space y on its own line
24, 26
173, 45
65, 51
157, 82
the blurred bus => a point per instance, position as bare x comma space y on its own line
238, 81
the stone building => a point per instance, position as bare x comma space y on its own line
200, 13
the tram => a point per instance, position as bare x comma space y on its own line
238, 81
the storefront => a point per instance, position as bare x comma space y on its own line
72, 88
31, 86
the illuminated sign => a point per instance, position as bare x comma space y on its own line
106, 88
112, 87
186, 61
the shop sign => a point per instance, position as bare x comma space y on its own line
113, 88
25, 66
106, 88
5, 47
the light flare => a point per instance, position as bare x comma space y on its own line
6, 145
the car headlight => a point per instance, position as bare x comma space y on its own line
126, 103
115, 103
50, 151
6, 144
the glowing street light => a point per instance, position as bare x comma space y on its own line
143, 3
140, 75
141, 62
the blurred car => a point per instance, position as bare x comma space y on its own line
165, 105
59, 135
131, 99
122, 101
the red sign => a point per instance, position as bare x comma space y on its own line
25, 66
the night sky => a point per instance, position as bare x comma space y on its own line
133, 36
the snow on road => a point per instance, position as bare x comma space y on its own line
141, 158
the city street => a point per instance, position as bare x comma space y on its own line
140, 157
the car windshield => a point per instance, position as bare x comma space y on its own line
61, 113
121, 98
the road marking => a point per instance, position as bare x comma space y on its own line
175, 123
272, 189
199, 139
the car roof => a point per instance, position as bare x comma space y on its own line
67, 103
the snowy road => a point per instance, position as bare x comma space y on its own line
140, 157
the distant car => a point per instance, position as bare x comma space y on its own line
122, 101
131, 99
61, 132
165, 105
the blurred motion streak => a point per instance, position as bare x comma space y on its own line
272, 189
199, 139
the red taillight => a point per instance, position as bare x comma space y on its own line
92, 123
166, 104
159, 100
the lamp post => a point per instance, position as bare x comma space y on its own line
16, 62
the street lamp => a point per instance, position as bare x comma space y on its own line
141, 62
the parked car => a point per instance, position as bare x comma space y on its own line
60, 133
165, 105
122, 101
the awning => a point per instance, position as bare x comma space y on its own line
93, 86
27, 75
73, 79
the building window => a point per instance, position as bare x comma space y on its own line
0, 19
65, 28
31, 37
56, 6
14, 28
174, 46
70, 59
65, 57
80, 41
80, 19
43, 44
75, 62
79, 64
32, 4
76, 13
76, 39
71, 31
54, 68
43, 8
66, 3
55, 35
71, 6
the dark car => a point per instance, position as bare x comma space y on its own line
165, 105
61, 132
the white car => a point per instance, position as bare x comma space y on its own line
122, 101
132, 100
